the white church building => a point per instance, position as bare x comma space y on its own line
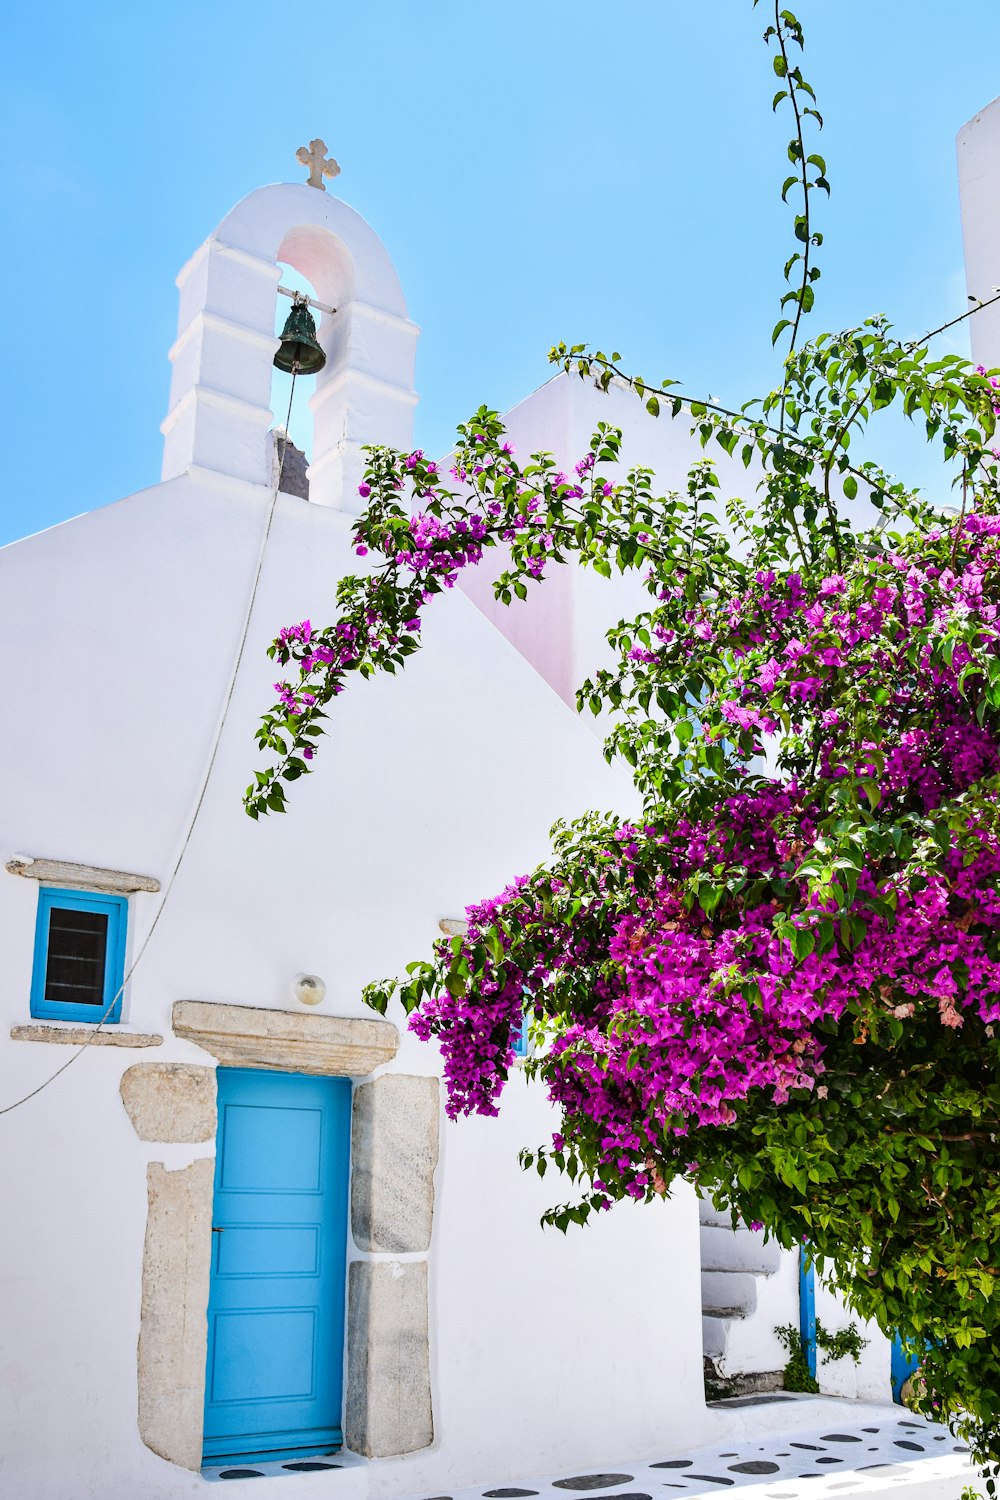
239, 1236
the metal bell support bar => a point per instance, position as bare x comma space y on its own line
286, 291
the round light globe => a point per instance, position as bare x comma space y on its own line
309, 989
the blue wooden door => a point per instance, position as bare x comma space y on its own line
279, 1246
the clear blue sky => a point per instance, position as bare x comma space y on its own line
540, 169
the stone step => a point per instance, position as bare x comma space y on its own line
723, 1388
714, 1336
737, 1250
721, 1217
736, 1289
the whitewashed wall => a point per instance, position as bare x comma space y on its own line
429, 792
561, 628
432, 789
866, 1380
979, 185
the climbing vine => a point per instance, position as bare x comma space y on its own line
846, 1343
782, 980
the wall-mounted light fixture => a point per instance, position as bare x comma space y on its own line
309, 988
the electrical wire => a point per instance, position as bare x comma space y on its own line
7, 1108
213, 755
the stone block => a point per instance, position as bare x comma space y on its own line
388, 1359
173, 1331
170, 1101
84, 1036
81, 877
248, 1036
394, 1150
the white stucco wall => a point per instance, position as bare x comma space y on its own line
866, 1380
978, 147
431, 790
560, 628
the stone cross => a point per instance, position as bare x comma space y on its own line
315, 159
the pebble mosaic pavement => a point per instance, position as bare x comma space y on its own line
846, 1460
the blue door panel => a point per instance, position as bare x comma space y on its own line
267, 1355
276, 1303
267, 1149
265, 1250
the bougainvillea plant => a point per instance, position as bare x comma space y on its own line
782, 981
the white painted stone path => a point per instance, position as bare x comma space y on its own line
863, 1452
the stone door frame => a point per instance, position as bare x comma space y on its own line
394, 1151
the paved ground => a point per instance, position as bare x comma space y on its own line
895, 1454
864, 1453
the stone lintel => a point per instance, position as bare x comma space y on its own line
170, 1101
87, 877
173, 1332
76, 1036
388, 1359
246, 1036
394, 1150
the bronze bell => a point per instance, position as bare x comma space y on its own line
299, 350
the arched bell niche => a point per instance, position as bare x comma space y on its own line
290, 397
220, 409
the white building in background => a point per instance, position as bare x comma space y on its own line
238, 1232
979, 186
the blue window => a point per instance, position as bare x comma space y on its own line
520, 1038
79, 956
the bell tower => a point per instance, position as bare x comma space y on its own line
219, 412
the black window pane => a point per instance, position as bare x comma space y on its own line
78, 945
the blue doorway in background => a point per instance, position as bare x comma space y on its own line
274, 1378
901, 1368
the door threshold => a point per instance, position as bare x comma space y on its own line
270, 1467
